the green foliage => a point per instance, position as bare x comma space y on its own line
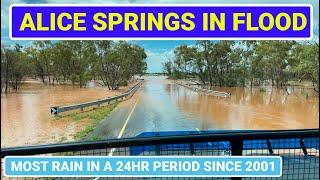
14, 67
95, 117
118, 62
262, 89
95, 138
305, 94
229, 63
73, 62
275, 56
305, 59
167, 68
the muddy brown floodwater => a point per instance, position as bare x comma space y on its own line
25, 115
256, 109
162, 106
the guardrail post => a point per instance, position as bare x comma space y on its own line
236, 150
108, 101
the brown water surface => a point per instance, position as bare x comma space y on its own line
25, 115
257, 109
162, 106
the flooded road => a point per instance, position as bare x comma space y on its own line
161, 105
25, 116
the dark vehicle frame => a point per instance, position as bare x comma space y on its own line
299, 149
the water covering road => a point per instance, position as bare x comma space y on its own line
159, 105
26, 118
162, 105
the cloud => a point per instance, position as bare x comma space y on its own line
5, 12
156, 58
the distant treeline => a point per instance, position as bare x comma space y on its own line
74, 62
241, 63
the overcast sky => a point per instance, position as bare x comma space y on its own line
157, 51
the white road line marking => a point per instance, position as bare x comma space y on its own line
198, 129
124, 125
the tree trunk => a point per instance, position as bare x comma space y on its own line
7, 76
80, 81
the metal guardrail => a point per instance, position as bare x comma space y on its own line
59, 109
206, 91
299, 149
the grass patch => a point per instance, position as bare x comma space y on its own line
95, 138
79, 116
94, 116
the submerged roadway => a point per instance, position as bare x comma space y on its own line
153, 108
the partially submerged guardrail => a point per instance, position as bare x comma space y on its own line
206, 91
59, 109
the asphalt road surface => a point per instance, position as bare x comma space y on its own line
153, 108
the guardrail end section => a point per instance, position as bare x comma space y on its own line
54, 111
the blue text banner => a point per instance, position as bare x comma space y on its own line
137, 166
161, 22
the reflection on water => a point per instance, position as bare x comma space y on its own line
25, 116
250, 109
163, 105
